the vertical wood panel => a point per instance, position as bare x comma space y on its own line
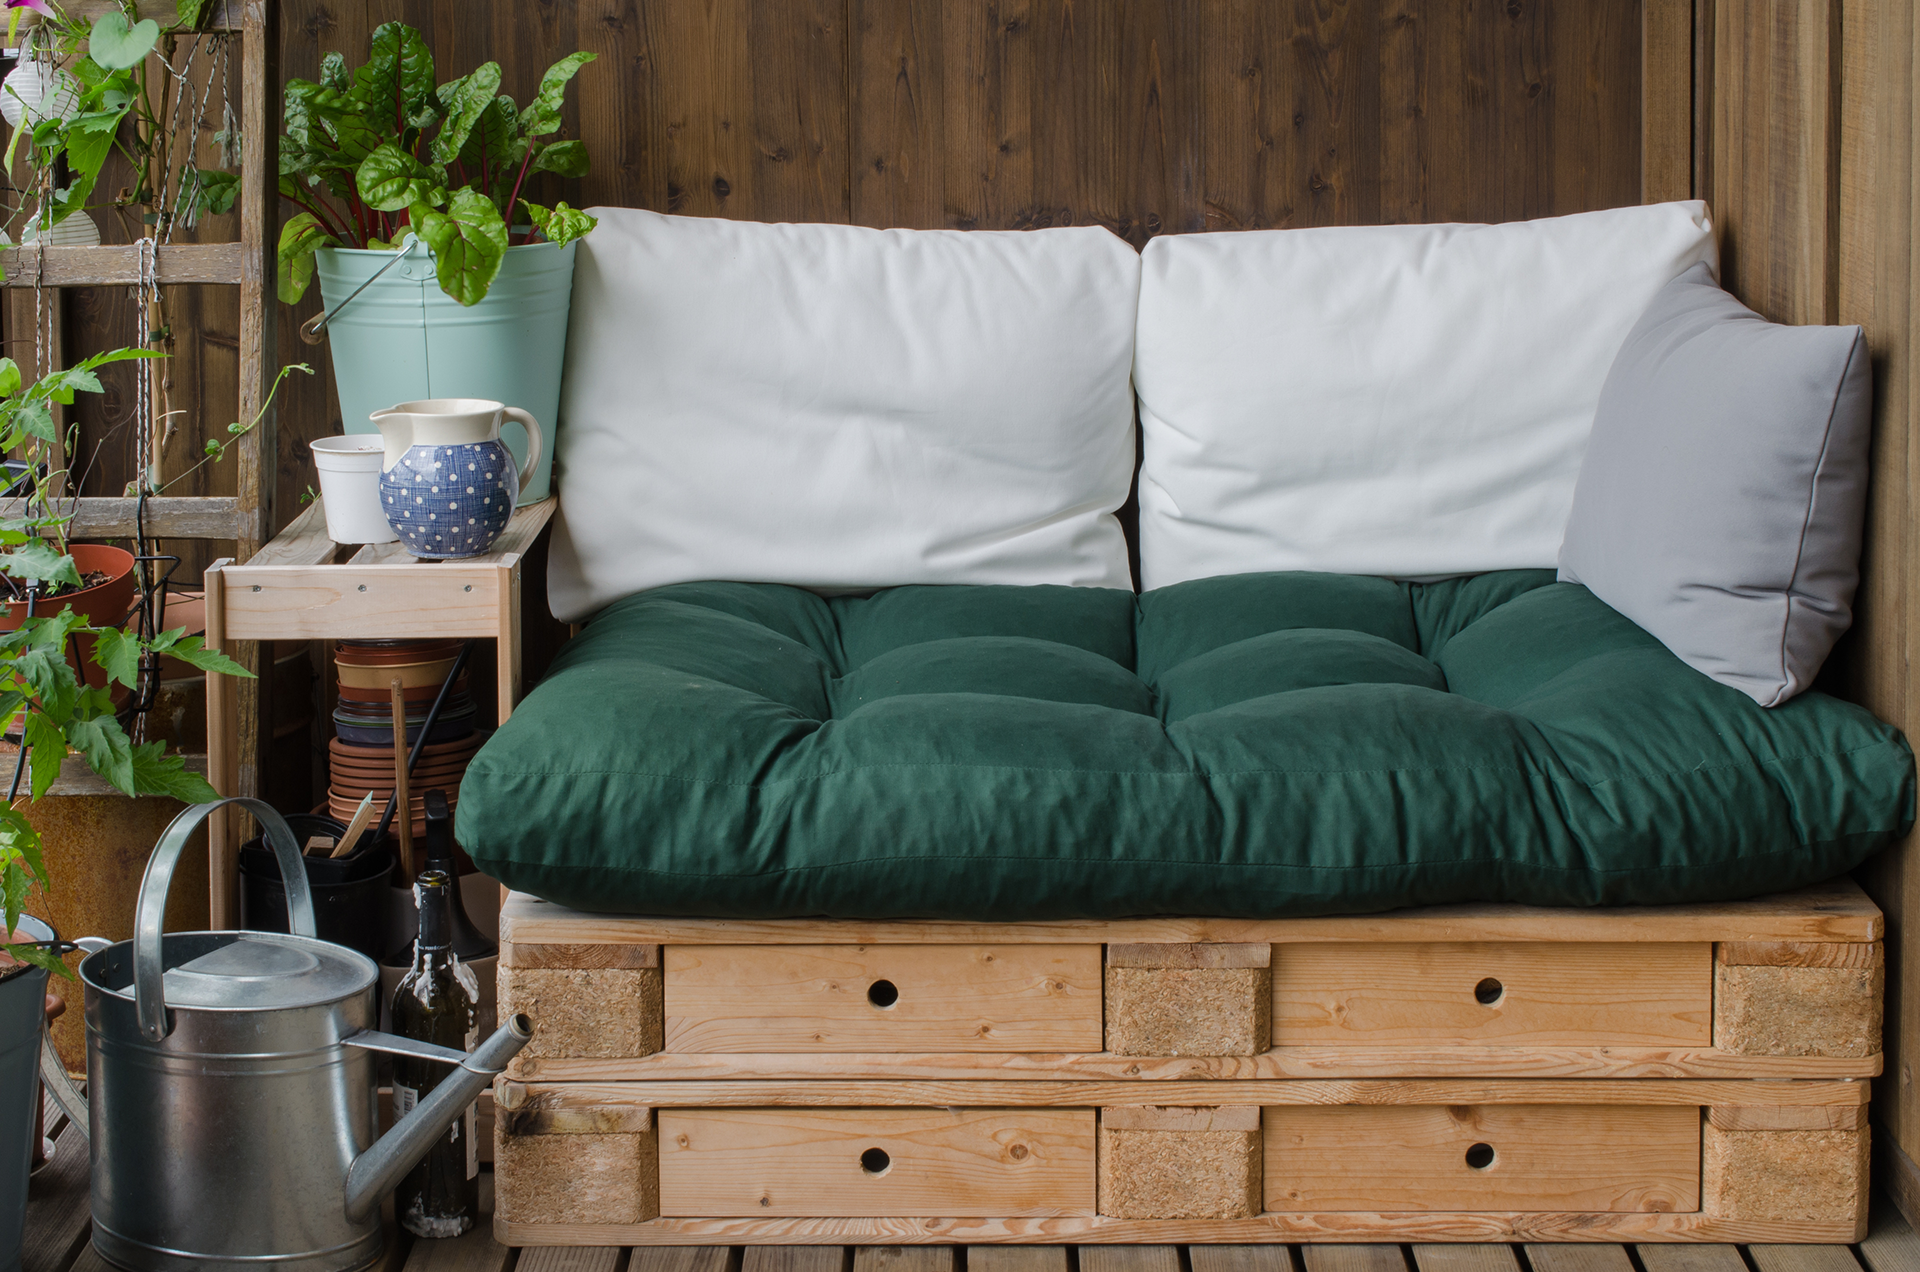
1875, 286
1666, 100
1772, 152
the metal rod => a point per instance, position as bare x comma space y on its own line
310, 329
420, 744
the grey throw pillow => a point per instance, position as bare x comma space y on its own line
1721, 499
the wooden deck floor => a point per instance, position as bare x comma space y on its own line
57, 1230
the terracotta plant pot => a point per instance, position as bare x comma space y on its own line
416, 675
103, 605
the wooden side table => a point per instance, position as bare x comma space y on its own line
304, 586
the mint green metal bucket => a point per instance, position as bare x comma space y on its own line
403, 339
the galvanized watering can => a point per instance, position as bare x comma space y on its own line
231, 1077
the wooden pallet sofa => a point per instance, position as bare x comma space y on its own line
1442, 845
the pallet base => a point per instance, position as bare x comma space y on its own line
1332, 1228
1476, 1074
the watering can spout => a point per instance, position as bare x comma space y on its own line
377, 1170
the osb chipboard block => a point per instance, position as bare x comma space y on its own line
583, 1012
1794, 1176
1189, 1000
569, 1178
1798, 999
1180, 1163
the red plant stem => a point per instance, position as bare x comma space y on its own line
515, 196
319, 213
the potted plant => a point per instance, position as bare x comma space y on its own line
407, 189
54, 710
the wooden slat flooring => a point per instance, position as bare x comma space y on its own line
57, 1224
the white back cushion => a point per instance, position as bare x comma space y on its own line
1410, 401
838, 407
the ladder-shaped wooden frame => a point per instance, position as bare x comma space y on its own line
247, 516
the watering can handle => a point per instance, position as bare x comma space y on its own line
534, 442
149, 987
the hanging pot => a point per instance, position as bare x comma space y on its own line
403, 339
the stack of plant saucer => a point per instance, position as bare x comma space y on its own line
360, 757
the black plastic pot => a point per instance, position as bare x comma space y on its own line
349, 894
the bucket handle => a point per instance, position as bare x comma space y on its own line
149, 986
312, 330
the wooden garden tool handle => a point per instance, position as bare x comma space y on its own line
402, 798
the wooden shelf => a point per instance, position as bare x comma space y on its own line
304, 586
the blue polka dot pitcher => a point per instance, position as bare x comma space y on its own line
447, 481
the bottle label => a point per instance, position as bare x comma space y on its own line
404, 1098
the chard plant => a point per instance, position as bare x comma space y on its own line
373, 154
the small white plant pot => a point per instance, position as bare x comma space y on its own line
40, 91
350, 488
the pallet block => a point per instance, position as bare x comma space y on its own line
1470, 1073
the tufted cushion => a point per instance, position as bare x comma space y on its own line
1253, 745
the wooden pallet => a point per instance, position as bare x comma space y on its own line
58, 1228
1466, 1073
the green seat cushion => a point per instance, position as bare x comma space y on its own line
1259, 745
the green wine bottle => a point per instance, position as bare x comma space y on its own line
436, 1003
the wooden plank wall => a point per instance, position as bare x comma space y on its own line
1804, 142
1147, 116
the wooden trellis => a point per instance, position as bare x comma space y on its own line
247, 516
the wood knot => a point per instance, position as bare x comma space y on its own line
1018, 1152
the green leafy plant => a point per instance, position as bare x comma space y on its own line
110, 60
41, 693
371, 155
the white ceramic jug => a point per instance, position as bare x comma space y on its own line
447, 482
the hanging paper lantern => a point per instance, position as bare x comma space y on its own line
38, 90
78, 230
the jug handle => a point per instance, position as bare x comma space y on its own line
149, 987
53, 1072
535, 442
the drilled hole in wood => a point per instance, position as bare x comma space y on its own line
1488, 991
1480, 1156
883, 993
875, 1161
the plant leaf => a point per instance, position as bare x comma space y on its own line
89, 140
116, 46
543, 112
333, 73
391, 179
157, 773
105, 745
396, 84
465, 100
212, 194
119, 655
566, 158
562, 224
40, 560
13, 894
9, 377
468, 241
492, 144
46, 748
187, 14
34, 420
299, 239
193, 651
